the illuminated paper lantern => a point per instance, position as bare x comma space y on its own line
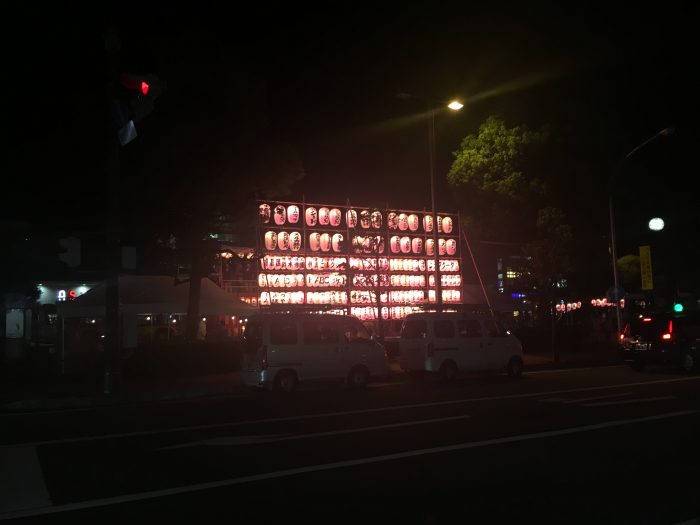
403, 221
392, 220
405, 245
311, 216
364, 219
395, 244
413, 222
293, 214
280, 214
283, 240
367, 244
315, 241
376, 219
262, 280
417, 245
336, 217
439, 224
324, 216
351, 218
447, 224
430, 246
357, 241
265, 213
271, 240
428, 223
379, 244
295, 241
441, 246
325, 242
451, 246
337, 242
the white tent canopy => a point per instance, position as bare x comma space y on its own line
155, 294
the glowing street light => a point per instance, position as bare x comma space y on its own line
656, 224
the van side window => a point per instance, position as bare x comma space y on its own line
414, 329
492, 328
469, 328
283, 333
444, 328
354, 331
316, 332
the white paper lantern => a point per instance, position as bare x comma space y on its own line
451, 246
336, 217
325, 242
405, 245
441, 246
293, 214
311, 216
351, 218
447, 224
379, 244
271, 240
283, 240
265, 213
395, 244
413, 222
403, 222
428, 223
376, 219
324, 216
262, 280
280, 214
364, 219
315, 241
417, 245
430, 247
392, 220
439, 224
337, 242
295, 241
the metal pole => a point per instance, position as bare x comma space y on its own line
613, 253
431, 149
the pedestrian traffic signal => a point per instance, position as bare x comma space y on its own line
677, 307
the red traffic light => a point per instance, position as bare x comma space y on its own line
144, 87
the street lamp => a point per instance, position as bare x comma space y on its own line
432, 106
613, 248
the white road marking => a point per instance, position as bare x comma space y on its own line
335, 465
573, 369
350, 412
569, 401
21, 480
629, 401
247, 440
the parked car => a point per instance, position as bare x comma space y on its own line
449, 343
662, 339
281, 350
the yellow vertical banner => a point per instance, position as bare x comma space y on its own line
645, 267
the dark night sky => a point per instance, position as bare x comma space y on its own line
324, 79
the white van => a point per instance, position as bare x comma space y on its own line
280, 350
448, 343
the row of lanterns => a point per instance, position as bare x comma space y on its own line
325, 216
333, 280
295, 263
341, 298
567, 307
326, 242
268, 262
313, 280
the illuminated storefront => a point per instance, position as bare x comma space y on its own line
342, 257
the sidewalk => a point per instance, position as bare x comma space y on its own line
60, 392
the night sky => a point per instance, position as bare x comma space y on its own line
325, 80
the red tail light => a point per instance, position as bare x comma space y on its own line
263, 358
622, 336
431, 350
669, 335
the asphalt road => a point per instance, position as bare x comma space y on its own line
596, 445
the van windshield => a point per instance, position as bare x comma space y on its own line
252, 337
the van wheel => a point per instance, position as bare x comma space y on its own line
358, 378
687, 362
286, 381
448, 371
515, 367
